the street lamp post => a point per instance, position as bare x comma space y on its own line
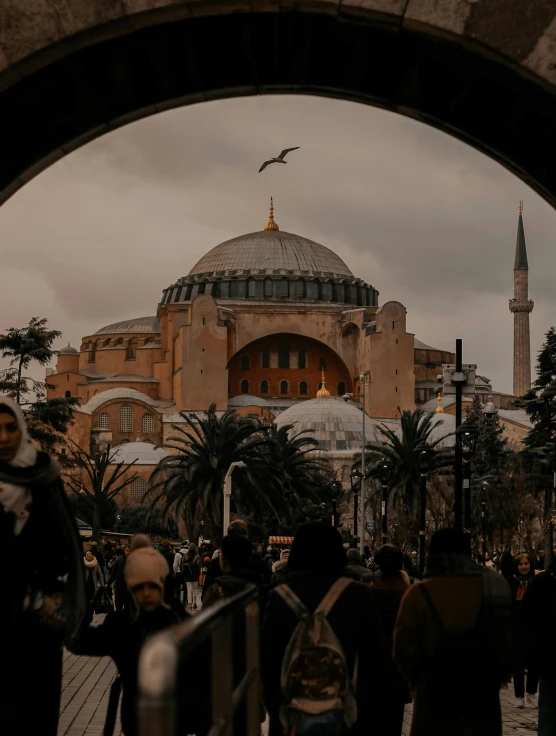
355, 476
363, 378
336, 488
484, 521
424, 462
466, 438
549, 397
384, 474
228, 492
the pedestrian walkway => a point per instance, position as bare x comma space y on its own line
86, 688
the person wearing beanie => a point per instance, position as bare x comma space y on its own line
121, 636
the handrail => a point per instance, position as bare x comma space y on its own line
159, 664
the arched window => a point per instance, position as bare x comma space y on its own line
268, 287
147, 424
68, 394
341, 388
264, 387
138, 489
103, 421
126, 418
303, 388
284, 388
131, 351
245, 386
251, 288
245, 363
284, 288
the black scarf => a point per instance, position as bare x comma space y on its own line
44, 472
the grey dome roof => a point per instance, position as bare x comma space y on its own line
247, 400
271, 250
336, 424
139, 325
143, 452
68, 350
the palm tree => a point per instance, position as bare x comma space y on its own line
400, 449
191, 482
303, 477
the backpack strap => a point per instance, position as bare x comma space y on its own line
327, 603
289, 597
428, 599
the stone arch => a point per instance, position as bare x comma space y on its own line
458, 66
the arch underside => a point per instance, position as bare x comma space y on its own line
79, 88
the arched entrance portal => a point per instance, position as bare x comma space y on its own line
484, 72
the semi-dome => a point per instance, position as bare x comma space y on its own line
137, 325
247, 400
336, 424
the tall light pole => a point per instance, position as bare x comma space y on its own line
466, 439
424, 459
549, 397
384, 475
355, 476
363, 378
228, 493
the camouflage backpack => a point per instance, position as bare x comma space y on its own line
318, 695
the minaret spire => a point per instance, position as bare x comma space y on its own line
521, 306
271, 225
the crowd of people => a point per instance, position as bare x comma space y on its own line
346, 640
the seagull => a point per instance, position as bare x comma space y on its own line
278, 159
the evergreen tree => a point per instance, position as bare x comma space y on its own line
47, 419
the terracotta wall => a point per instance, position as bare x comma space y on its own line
112, 408
335, 370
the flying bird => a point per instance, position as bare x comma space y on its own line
278, 159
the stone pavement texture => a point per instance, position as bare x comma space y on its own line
86, 688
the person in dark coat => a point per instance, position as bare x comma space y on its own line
539, 615
236, 571
43, 595
117, 581
121, 637
354, 619
355, 566
391, 693
518, 582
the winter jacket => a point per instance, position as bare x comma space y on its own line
539, 615
122, 639
458, 600
362, 573
520, 632
354, 619
116, 578
191, 568
387, 594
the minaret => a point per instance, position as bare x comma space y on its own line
521, 306
271, 225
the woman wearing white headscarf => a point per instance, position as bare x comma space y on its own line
41, 572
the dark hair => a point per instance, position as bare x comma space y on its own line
506, 566
236, 550
390, 559
516, 563
5, 409
120, 551
450, 542
317, 547
238, 527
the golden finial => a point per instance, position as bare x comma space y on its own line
439, 409
323, 392
520, 206
271, 225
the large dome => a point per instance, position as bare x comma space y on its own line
271, 251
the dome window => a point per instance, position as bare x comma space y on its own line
138, 489
244, 386
147, 424
303, 388
103, 421
126, 418
264, 387
131, 351
341, 388
245, 362
284, 388
268, 287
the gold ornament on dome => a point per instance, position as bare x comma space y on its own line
439, 409
271, 225
323, 392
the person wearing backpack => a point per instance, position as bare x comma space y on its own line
452, 642
190, 570
321, 643
539, 615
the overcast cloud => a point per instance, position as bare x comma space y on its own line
424, 218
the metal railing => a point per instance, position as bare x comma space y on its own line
215, 656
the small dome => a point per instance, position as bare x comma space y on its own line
143, 452
336, 424
68, 350
247, 400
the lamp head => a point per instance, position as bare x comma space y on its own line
466, 437
424, 457
385, 472
347, 397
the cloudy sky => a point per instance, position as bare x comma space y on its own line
424, 218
